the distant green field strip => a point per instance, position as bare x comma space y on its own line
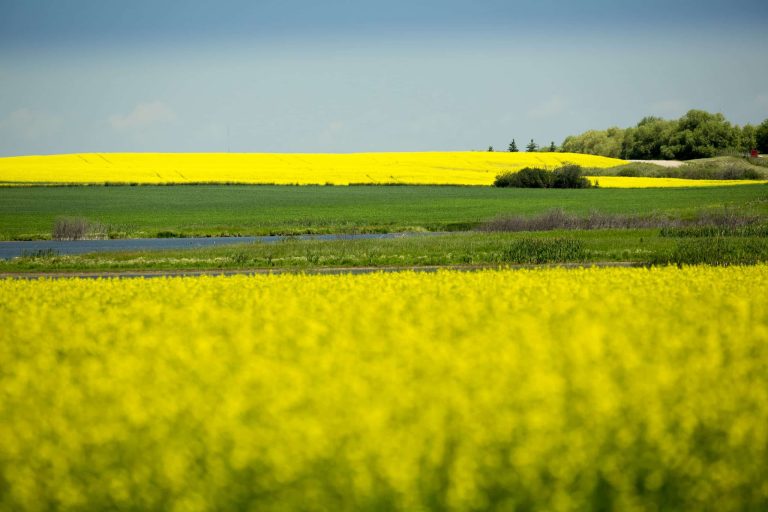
255, 210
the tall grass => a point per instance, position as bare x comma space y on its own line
749, 230
718, 251
557, 218
541, 250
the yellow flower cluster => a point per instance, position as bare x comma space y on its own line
622, 389
453, 168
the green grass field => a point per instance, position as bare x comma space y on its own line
145, 211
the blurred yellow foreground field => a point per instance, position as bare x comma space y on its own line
448, 168
610, 389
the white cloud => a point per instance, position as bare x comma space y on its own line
29, 124
144, 115
552, 107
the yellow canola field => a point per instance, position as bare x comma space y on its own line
441, 168
459, 168
622, 389
643, 182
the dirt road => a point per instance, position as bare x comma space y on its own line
663, 163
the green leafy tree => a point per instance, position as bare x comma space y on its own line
532, 147
513, 146
761, 137
596, 142
700, 134
748, 138
697, 134
644, 141
490, 149
552, 147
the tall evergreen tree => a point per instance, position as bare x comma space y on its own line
513, 146
552, 147
532, 147
490, 149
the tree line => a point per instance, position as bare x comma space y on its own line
697, 134
530, 147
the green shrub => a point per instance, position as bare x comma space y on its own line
542, 250
504, 180
528, 177
240, 257
567, 176
168, 234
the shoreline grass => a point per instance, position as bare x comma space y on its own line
452, 249
641, 246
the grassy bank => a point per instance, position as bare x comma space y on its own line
718, 168
494, 249
151, 211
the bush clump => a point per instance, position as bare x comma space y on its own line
528, 177
567, 176
77, 228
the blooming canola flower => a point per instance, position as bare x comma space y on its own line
414, 168
443, 168
560, 389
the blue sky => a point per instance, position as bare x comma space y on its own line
348, 76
